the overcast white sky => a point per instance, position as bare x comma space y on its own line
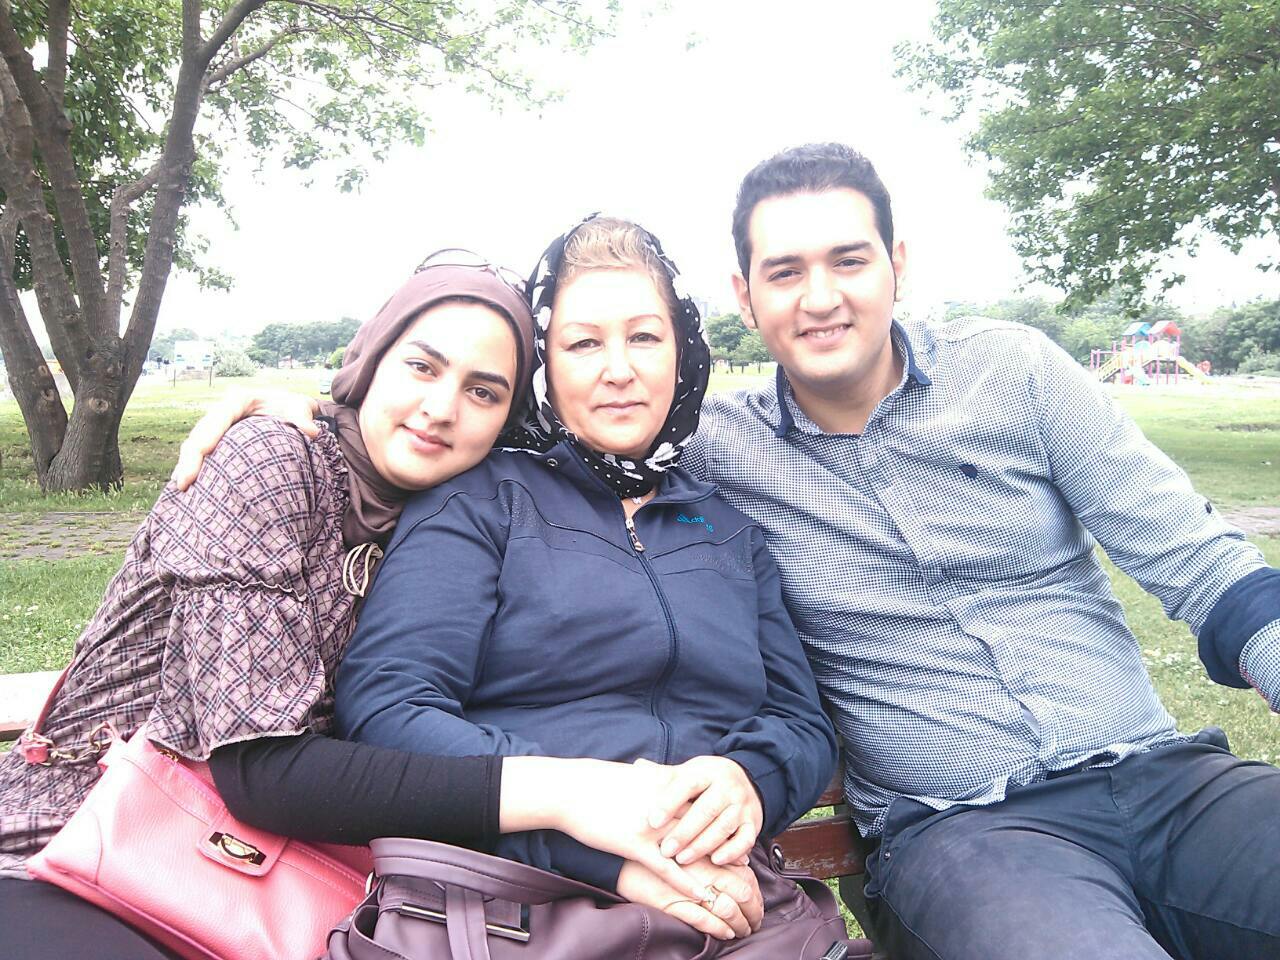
651, 129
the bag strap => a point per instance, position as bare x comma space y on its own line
34, 746
485, 874
465, 922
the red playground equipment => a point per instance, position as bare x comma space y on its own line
1145, 354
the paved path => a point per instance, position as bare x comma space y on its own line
56, 536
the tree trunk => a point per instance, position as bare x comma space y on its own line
89, 457
31, 381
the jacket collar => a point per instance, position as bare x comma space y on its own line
677, 486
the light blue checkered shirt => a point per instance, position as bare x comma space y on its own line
940, 566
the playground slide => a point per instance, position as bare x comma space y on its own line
1187, 367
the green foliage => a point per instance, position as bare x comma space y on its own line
1116, 131
335, 358
1230, 337
724, 333
1264, 363
303, 342
162, 344
321, 83
750, 349
234, 363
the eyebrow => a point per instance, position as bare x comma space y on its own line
768, 263
484, 375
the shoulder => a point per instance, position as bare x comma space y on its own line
264, 466
978, 334
487, 489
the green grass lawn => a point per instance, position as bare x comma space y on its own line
1227, 438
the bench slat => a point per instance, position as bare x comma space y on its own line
824, 847
21, 697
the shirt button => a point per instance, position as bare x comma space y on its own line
552, 462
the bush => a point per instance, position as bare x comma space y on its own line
335, 358
1261, 361
235, 364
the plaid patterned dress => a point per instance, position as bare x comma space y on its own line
225, 623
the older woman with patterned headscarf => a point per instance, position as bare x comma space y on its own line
581, 595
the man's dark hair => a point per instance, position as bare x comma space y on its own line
812, 168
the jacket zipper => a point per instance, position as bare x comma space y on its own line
673, 649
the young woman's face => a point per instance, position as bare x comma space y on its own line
611, 360
440, 395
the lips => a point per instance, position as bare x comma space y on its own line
823, 334
426, 442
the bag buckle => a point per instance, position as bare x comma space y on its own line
236, 849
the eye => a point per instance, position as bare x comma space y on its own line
645, 336
850, 262
484, 394
584, 344
420, 366
784, 274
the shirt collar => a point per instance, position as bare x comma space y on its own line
904, 340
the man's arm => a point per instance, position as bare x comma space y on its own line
1143, 511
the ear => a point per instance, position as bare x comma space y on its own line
899, 269
743, 293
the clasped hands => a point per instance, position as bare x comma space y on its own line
685, 832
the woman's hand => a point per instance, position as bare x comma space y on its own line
294, 408
597, 802
734, 909
723, 821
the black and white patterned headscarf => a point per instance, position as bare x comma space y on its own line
541, 429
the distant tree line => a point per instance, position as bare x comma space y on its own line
1241, 339
733, 344
301, 343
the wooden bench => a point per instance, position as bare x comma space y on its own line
826, 847
829, 847
21, 697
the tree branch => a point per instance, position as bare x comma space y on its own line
222, 33
59, 25
223, 71
117, 255
52, 131
24, 197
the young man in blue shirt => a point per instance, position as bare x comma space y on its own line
932, 495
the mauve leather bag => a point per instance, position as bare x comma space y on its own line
432, 901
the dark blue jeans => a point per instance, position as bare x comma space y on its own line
1174, 852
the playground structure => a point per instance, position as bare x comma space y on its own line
1146, 354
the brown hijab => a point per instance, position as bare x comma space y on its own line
375, 502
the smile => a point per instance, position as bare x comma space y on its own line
826, 333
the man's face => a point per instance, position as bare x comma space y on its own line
821, 291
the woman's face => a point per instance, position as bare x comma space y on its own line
611, 360
440, 395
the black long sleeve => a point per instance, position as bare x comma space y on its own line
314, 787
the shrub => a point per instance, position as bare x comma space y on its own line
235, 364
1261, 361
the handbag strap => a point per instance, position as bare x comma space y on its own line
34, 746
465, 922
488, 875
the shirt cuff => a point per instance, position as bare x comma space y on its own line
1260, 663
1247, 608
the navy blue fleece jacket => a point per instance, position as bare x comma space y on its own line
513, 614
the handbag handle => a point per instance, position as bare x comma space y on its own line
487, 875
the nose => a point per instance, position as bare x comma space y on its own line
617, 361
440, 402
820, 295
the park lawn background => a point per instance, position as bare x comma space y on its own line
1226, 436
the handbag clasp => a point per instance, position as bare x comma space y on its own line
237, 849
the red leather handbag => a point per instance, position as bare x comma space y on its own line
154, 844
